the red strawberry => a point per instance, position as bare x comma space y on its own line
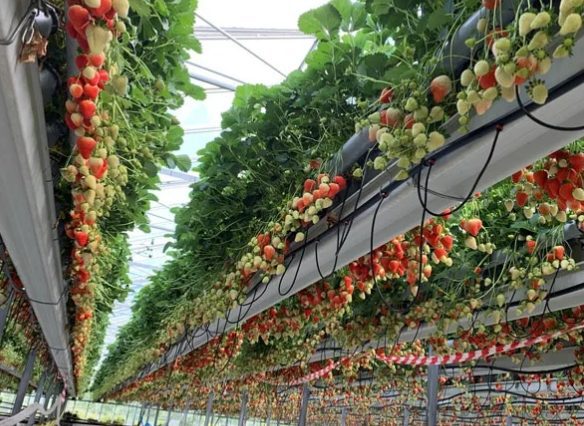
309, 185
386, 95
87, 108
447, 241
530, 246
540, 178
103, 78
99, 12
552, 187
97, 59
81, 61
491, 4
341, 181
409, 121
566, 191
90, 91
316, 194
85, 145
76, 90
577, 161
334, 189
559, 252
488, 80
440, 87
390, 117
269, 252
521, 198
516, 177
78, 16
82, 238
473, 226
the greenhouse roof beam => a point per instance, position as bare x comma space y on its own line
28, 220
247, 49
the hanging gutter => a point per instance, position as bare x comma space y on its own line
28, 220
521, 142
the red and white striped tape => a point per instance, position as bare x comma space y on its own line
475, 355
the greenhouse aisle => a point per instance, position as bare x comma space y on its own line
312, 213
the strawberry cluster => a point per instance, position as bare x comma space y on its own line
93, 24
553, 189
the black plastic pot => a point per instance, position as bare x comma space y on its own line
50, 81
46, 21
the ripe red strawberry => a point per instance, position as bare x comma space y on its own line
516, 177
269, 252
473, 226
97, 59
577, 161
530, 245
85, 145
78, 16
559, 252
566, 191
540, 178
488, 80
92, 92
87, 108
440, 87
491, 4
334, 189
447, 241
409, 121
341, 181
100, 12
390, 117
82, 238
386, 95
103, 78
81, 61
76, 90
316, 194
552, 187
521, 198
309, 185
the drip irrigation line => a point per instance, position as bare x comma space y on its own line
541, 122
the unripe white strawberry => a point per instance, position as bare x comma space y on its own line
435, 141
482, 25
121, 7
572, 24
481, 68
539, 41
541, 20
509, 205
491, 94
561, 52
504, 78
462, 106
92, 3
436, 114
467, 77
538, 93
544, 65
525, 21
578, 194
471, 242
418, 128
483, 106
508, 93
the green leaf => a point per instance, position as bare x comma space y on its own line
321, 22
438, 19
343, 7
183, 162
141, 7
150, 168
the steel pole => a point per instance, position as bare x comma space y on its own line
209, 412
168, 417
38, 394
432, 409
5, 310
156, 415
24, 381
406, 416
304, 405
185, 413
509, 421
344, 416
243, 410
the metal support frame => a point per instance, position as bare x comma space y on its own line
156, 415
269, 416
24, 381
168, 416
432, 407
38, 394
5, 309
344, 416
185, 413
147, 414
406, 416
304, 405
209, 412
509, 421
243, 410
